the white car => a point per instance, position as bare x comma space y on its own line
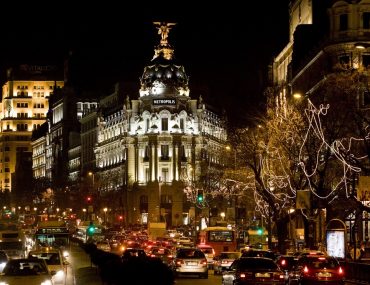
26, 271
55, 261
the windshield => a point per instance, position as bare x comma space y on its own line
231, 255
24, 268
256, 263
51, 258
11, 245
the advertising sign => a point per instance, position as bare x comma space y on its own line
335, 243
363, 190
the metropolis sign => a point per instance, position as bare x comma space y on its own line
161, 102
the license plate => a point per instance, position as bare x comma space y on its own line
192, 263
262, 275
324, 274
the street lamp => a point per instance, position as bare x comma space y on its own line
222, 214
228, 148
105, 215
84, 211
93, 179
290, 212
159, 198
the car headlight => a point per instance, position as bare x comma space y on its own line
59, 274
65, 253
46, 282
4, 283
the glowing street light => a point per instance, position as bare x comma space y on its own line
105, 215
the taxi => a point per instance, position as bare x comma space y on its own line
55, 262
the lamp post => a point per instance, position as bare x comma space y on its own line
105, 215
159, 198
290, 212
84, 211
228, 148
93, 179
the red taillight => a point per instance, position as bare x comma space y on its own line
242, 275
340, 271
152, 255
283, 262
179, 262
204, 262
305, 269
278, 276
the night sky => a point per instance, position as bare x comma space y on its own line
225, 49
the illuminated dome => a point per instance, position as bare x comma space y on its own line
163, 76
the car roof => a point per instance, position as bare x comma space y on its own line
45, 251
204, 246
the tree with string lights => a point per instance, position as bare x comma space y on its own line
319, 144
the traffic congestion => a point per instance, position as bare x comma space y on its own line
39, 253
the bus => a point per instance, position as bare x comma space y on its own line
219, 238
53, 234
13, 241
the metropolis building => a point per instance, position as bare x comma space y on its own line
149, 148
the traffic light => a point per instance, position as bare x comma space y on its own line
200, 197
88, 199
90, 229
259, 231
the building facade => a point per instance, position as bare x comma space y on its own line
24, 106
326, 37
147, 148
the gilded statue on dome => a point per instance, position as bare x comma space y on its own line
163, 30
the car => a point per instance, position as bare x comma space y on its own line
55, 262
133, 253
289, 264
190, 261
164, 254
27, 271
259, 253
3, 260
103, 245
224, 261
209, 252
319, 269
252, 271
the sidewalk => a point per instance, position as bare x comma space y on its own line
83, 271
87, 276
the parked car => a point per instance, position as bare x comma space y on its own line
253, 270
318, 269
190, 261
26, 271
224, 261
55, 262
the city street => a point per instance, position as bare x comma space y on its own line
80, 272
212, 280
